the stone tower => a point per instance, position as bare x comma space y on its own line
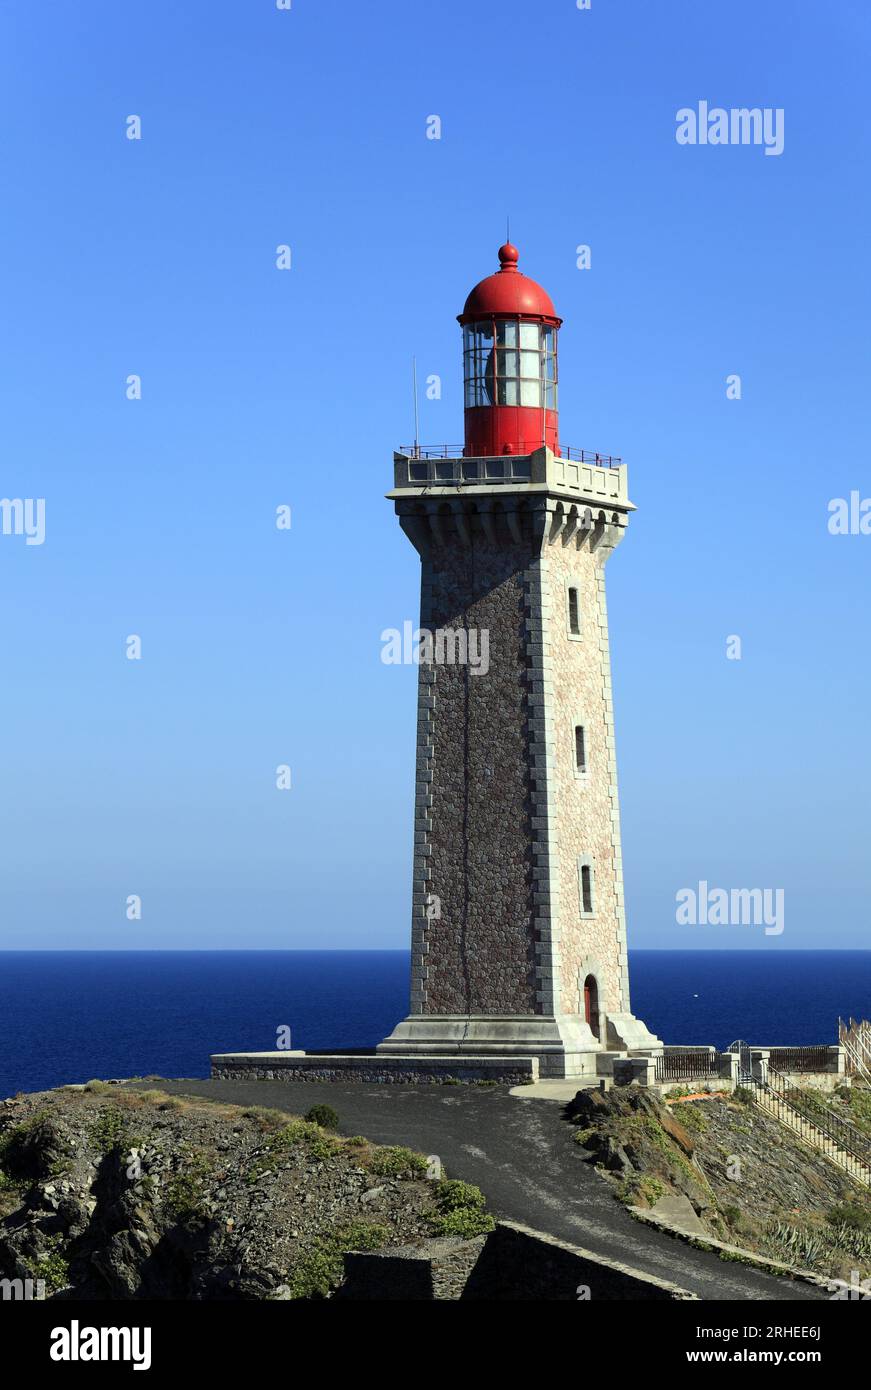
518, 930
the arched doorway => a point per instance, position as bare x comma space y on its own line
591, 1004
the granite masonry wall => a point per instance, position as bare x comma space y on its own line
502, 817
472, 852
513, 1263
584, 807
508, 1071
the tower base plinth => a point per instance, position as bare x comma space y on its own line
564, 1044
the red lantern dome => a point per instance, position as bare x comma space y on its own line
510, 363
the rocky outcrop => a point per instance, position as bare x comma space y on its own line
132, 1194
747, 1178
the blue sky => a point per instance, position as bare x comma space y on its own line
263, 387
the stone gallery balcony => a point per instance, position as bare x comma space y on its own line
575, 473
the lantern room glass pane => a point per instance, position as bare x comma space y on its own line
506, 333
529, 335
507, 391
530, 393
487, 380
550, 395
507, 363
530, 364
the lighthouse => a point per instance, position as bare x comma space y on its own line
518, 933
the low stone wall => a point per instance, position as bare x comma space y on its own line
816, 1080
290, 1066
513, 1263
439, 1269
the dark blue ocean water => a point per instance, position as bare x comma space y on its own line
68, 1016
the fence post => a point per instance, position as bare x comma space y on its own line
759, 1063
634, 1071
727, 1065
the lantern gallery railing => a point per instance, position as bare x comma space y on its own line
584, 456
454, 451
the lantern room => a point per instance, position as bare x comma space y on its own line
509, 363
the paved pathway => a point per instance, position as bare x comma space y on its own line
520, 1153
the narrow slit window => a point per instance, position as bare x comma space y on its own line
580, 748
574, 613
586, 889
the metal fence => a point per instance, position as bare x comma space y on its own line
855, 1039
687, 1064
431, 451
455, 451
843, 1135
803, 1113
801, 1059
585, 456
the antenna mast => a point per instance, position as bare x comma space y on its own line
416, 421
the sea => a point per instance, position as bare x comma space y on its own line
70, 1016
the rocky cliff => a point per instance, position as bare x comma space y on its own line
124, 1194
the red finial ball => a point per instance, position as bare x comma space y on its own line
508, 256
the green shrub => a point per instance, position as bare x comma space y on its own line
744, 1095
38, 1147
266, 1119
14, 1141
465, 1223
460, 1210
184, 1199
323, 1115
162, 1099
11, 1187
320, 1269
110, 1129
52, 1267
692, 1117
97, 1087
393, 1161
859, 1101
297, 1132
319, 1143
453, 1195
640, 1190
852, 1215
